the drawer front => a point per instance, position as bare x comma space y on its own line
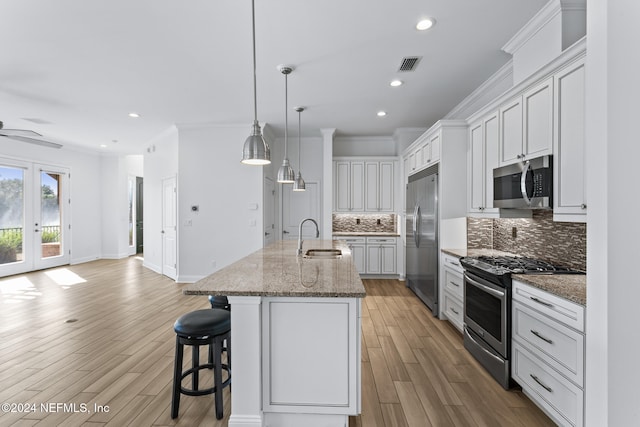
453, 282
559, 397
452, 262
352, 240
560, 309
453, 310
562, 347
381, 240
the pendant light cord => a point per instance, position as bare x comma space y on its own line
255, 96
299, 143
286, 109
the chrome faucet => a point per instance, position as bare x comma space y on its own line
300, 233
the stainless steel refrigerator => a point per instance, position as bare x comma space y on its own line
421, 236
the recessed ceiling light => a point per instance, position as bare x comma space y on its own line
103, 145
425, 24
134, 115
382, 113
396, 83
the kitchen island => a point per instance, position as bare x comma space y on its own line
295, 334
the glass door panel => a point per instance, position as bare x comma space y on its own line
51, 225
12, 212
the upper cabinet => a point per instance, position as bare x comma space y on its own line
569, 201
526, 124
483, 158
423, 153
363, 186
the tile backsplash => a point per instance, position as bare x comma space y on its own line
365, 223
563, 243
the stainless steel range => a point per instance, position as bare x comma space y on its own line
487, 307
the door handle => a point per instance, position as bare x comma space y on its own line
523, 183
285, 232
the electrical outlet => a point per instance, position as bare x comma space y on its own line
514, 232
357, 221
378, 221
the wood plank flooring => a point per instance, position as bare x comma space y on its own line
100, 333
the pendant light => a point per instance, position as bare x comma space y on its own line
256, 150
299, 184
285, 173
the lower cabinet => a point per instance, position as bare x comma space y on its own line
451, 284
373, 255
548, 352
381, 255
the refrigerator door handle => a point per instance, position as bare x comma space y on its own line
418, 225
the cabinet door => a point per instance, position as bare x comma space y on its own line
385, 188
342, 185
476, 168
511, 132
538, 120
388, 261
425, 149
435, 148
357, 186
358, 254
491, 140
372, 186
373, 259
412, 163
569, 190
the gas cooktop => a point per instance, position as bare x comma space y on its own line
500, 265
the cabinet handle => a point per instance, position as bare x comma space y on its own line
536, 333
454, 310
546, 387
541, 302
453, 263
583, 206
454, 283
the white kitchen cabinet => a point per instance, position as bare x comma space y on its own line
348, 186
569, 200
364, 186
483, 158
538, 120
381, 255
452, 287
358, 251
526, 124
511, 131
549, 352
434, 149
379, 181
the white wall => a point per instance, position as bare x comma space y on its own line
612, 89
228, 225
85, 188
160, 162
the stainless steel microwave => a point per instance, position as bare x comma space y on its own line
524, 185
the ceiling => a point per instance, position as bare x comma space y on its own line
73, 70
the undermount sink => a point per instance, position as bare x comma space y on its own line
323, 253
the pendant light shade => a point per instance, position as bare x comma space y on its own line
285, 173
299, 184
256, 150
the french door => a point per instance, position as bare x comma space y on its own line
34, 216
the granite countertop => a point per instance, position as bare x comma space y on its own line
277, 271
572, 287
366, 233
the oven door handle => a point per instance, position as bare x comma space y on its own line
483, 287
523, 183
481, 347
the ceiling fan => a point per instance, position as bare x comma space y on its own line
26, 135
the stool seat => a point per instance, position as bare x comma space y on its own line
203, 323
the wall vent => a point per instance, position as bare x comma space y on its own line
409, 63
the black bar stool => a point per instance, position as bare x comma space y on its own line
210, 327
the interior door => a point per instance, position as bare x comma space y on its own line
298, 205
269, 211
169, 228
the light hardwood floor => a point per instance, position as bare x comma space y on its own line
118, 349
